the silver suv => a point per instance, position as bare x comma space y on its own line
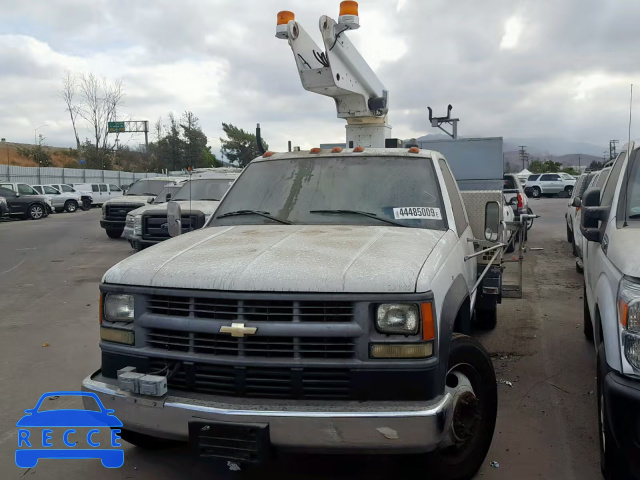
67, 201
550, 184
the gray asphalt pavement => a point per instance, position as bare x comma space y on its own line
547, 425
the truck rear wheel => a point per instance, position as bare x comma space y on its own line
471, 381
486, 311
146, 441
114, 232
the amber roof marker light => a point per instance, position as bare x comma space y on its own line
282, 23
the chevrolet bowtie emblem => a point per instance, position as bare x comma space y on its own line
238, 330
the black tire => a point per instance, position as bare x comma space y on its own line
574, 249
587, 324
568, 191
462, 462
86, 205
146, 441
71, 206
486, 312
579, 269
536, 192
114, 232
569, 234
529, 222
612, 460
36, 211
512, 246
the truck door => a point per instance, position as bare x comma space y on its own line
14, 204
463, 230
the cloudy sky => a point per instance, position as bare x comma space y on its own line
512, 68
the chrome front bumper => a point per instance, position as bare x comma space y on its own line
383, 427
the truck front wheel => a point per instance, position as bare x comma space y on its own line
471, 381
114, 232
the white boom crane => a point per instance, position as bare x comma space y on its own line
340, 72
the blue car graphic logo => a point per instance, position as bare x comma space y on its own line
37, 430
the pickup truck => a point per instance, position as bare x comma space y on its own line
610, 225
142, 192
550, 184
198, 198
324, 307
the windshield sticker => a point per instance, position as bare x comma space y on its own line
417, 213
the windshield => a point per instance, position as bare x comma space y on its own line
204, 189
50, 190
303, 191
148, 187
168, 189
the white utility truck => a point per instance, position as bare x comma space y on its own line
610, 224
198, 198
142, 192
326, 304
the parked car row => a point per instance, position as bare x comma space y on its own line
22, 201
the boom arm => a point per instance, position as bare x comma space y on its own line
340, 72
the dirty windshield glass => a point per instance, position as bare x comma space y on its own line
205, 189
168, 189
337, 191
147, 187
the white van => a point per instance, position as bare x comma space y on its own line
100, 192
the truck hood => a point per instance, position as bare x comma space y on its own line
207, 207
128, 200
284, 258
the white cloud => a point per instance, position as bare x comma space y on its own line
512, 31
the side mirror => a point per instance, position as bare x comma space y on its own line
150, 199
592, 213
174, 219
492, 221
577, 202
168, 197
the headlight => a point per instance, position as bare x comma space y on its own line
629, 316
118, 307
137, 225
104, 211
398, 318
129, 221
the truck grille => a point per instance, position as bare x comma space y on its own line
154, 227
257, 382
251, 310
119, 212
267, 347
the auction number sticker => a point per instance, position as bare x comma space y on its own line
417, 213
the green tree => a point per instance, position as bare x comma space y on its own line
536, 167
507, 167
239, 147
209, 159
571, 171
596, 165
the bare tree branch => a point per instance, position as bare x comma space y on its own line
68, 94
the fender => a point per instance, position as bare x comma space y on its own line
457, 294
607, 321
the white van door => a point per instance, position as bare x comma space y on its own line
114, 191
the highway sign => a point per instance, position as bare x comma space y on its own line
115, 127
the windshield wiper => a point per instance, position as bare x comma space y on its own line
364, 214
210, 199
635, 215
255, 212
142, 194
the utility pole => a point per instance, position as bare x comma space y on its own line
523, 155
612, 149
579, 158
